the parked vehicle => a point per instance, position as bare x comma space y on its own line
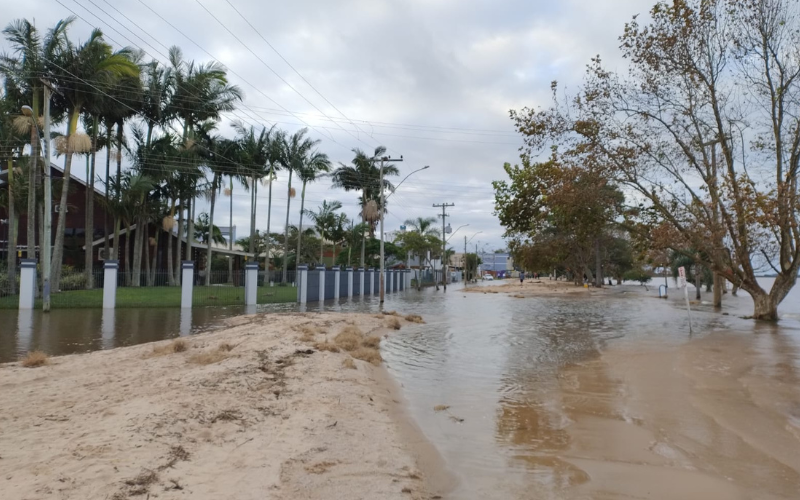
488, 277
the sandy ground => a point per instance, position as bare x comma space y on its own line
536, 288
251, 411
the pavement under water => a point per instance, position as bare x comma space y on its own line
596, 395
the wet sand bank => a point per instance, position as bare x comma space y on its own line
252, 411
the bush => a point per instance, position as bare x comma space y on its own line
73, 281
5, 285
637, 275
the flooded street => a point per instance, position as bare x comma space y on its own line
602, 395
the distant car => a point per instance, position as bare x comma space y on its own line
488, 277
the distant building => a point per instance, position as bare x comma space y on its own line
496, 263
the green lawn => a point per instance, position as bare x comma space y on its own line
162, 296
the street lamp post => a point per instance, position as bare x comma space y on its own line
444, 253
381, 209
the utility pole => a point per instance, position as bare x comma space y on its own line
381, 208
444, 216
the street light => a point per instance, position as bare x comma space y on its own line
381, 209
452, 233
406, 177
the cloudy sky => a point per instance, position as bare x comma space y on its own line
432, 80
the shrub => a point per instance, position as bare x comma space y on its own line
34, 359
393, 323
350, 338
73, 281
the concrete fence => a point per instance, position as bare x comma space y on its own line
320, 284
313, 285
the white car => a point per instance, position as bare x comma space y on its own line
488, 277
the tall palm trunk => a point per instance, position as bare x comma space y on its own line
190, 229
363, 222
170, 273
11, 262
141, 235
286, 231
269, 218
230, 236
253, 202
151, 277
211, 227
88, 233
127, 254
177, 269
106, 244
30, 237
300, 227
146, 257
58, 246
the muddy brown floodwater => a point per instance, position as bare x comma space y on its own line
604, 396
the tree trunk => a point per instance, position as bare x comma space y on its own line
718, 283
598, 265
152, 261
269, 218
177, 269
137, 252
170, 273
765, 307
364, 221
300, 227
253, 202
190, 229
211, 227
58, 246
127, 254
11, 262
697, 281
88, 231
230, 237
286, 230
106, 245
30, 236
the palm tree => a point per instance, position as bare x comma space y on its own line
12, 143
311, 169
201, 93
338, 232
80, 71
294, 150
423, 225
324, 222
33, 62
364, 175
219, 152
252, 157
201, 231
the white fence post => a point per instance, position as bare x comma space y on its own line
27, 283
302, 284
187, 283
250, 283
321, 271
349, 282
337, 281
110, 270
363, 282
